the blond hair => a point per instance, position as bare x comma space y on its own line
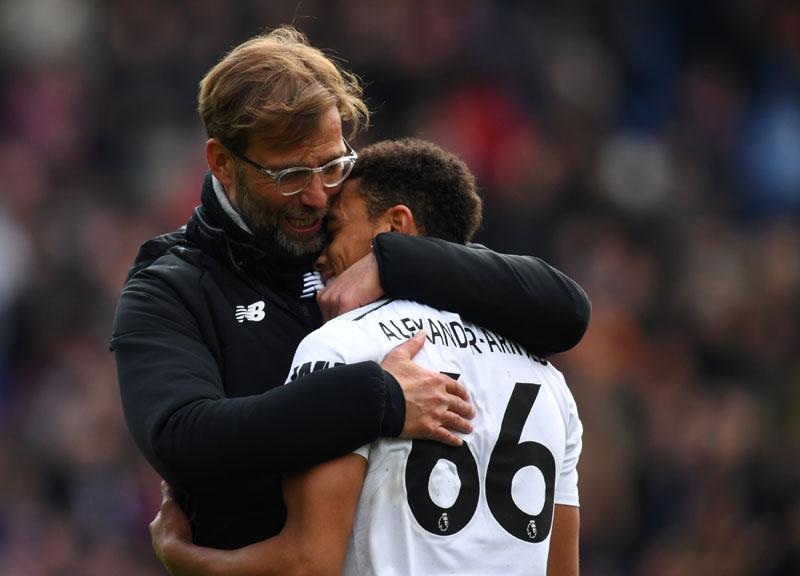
278, 87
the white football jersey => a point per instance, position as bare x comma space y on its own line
483, 508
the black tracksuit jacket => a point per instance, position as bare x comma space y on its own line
201, 369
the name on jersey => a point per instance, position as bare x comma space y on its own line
448, 334
455, 335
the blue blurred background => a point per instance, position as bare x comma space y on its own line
650, 149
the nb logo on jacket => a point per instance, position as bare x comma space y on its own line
253, 313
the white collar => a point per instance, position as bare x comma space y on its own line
219, 190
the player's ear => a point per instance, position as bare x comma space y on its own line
401, 219
220, 162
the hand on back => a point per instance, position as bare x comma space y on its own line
436, 405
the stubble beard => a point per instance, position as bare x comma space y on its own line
264, 222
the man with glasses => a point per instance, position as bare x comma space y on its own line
291, 181
210, 315
505, 502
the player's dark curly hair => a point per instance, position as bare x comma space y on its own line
436, 185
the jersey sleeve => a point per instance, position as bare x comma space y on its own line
521, 297
325, 348
195, 437
567, 487
363, 451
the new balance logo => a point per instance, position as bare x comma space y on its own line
253, 313
312, 283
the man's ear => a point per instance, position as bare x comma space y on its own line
220, 162
401, 219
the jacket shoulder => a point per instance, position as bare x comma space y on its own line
154, 249
163, 280
167, 266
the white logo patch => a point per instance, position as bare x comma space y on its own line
444, 522
532, 529
312, 283
254, 312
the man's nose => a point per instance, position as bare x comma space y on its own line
315, 195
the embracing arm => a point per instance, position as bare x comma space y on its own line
175, 406
195, 437
320, 506
521, 297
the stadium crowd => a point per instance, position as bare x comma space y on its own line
651, 150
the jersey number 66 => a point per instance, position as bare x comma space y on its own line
508, 457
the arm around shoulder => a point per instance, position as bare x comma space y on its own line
521, 297
177, 411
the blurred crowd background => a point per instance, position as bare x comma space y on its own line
650, 149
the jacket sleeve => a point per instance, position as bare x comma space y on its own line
175, 407
521, 297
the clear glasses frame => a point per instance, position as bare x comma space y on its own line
295, 182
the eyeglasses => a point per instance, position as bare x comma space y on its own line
291, 181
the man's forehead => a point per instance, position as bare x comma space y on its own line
303, 153
353, 193
334, 215
321, 144
348, 205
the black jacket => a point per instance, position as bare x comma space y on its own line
205, 331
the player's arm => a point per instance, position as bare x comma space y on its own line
432, 404
521, 297
320, 505
175, 405
563, 555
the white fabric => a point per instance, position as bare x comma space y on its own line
222, 198
387, 539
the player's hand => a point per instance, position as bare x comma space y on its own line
169, 527
435, 403
358, 285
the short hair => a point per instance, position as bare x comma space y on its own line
436, 185
278, 87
